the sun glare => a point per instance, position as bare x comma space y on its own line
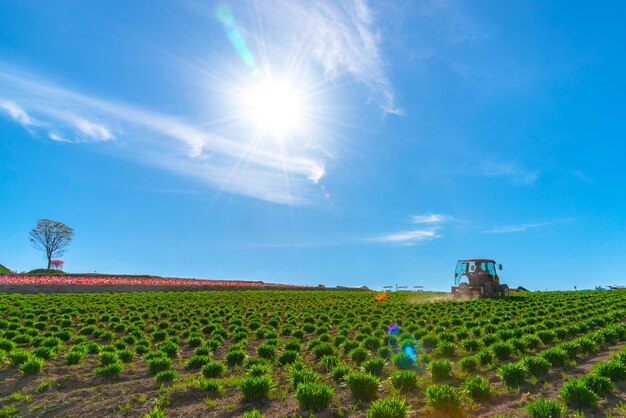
275, 109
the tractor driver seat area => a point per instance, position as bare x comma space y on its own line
475, 276
472, 279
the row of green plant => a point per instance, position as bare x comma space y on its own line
326, 339
586, 391
560, 355
583, 392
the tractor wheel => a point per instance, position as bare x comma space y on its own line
504, 291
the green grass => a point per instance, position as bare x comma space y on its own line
387, 408
4, 270
255, 388
577, 394
363, 386
8, 411
314, 396
477, 387
444, 398
544, 408
109, 370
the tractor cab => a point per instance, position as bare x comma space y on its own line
478, 276
470, 270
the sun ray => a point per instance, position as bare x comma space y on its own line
283, 113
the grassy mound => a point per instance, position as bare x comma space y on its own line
4, 270
45, 272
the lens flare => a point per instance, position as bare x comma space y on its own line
410, 351
393, 329
226, 17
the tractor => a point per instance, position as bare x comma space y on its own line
478, 277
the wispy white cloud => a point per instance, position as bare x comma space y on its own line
56, 137
341, 36
430, 225
16, 113
431, 218
525, 227
517, 174
514, 228
407, 238
86, 130
268, 170
92, 130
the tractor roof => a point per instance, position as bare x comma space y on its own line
482, 260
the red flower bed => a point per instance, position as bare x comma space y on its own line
114, 280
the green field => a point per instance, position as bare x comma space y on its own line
336, 353
4, 270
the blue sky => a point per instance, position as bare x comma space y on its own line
346, 142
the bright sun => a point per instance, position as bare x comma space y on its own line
275, 109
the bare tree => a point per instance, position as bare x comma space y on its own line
51, 237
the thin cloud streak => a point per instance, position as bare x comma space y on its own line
16, 113
514, 228
406, 238
430, 219
516, 173
413, 236
56, 137
231, 165
525, 227
92, 130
